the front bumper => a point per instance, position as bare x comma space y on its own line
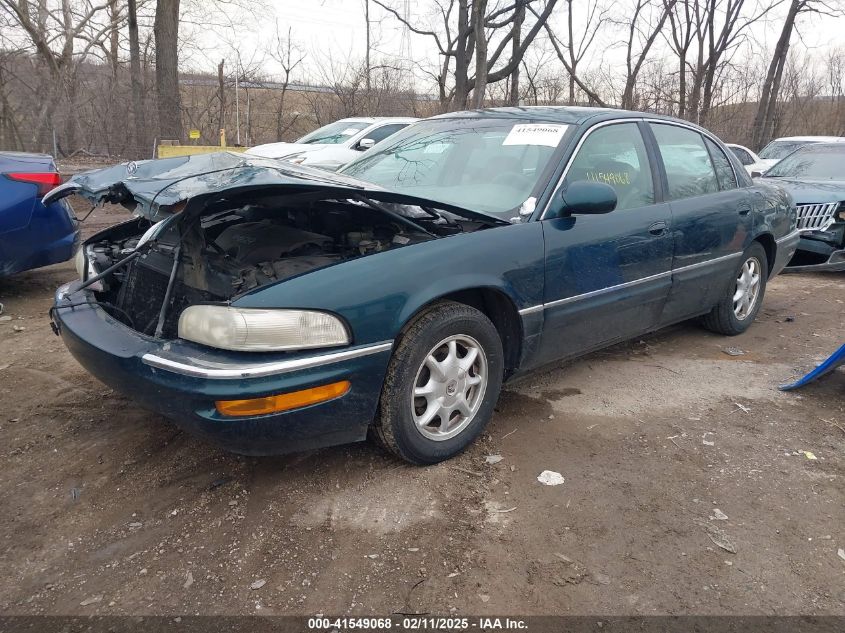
182, 380
820, 251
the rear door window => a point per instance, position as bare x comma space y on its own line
724, 170
381, 133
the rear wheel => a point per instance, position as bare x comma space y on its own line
735, 313
442, 384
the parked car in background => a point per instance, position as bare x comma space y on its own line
274, 308
749, 159
31, 234
815, 177
783, 147
334, 144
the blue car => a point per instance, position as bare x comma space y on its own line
271, 307
32, 234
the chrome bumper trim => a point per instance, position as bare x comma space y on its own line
236, 371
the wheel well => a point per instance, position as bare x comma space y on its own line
768, 243
501, 311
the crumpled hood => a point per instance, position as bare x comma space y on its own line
156, 189
811, 191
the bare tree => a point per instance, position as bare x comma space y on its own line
166, 31
763, 127
456, 43
53, 35
139, 117
572, 51
289, 57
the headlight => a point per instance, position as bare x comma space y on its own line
256, 330
80, 262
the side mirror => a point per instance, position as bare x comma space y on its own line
585, 198
364, 144
756, 174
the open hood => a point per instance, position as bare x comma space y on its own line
157, 189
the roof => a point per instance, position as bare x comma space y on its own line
557, 114
378, 119
817, 139
836, 147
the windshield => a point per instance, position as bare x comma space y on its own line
779, 149
817, 163
487, 165
334, 133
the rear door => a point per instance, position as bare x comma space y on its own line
607, 276
711, 218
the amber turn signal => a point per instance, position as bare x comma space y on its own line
282, 401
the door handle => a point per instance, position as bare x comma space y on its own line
658, 228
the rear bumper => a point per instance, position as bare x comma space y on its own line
52, 239
181, 381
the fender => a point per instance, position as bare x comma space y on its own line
379, 293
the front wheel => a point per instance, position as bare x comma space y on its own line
441, 385
736, 311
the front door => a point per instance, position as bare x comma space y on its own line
607, 276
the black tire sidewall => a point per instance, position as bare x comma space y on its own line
443, 321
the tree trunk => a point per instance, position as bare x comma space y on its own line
140, 124
479, 12
459, 100
221, 97
761, 130
517, 41
166, 29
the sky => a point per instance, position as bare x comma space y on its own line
336, 29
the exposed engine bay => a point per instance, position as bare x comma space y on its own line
230, 248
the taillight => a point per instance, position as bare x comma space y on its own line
46, 180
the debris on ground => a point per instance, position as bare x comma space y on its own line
493, 459
258, 584
809, 455
707, 442
733, 351
189, 580
718, 515
721, 539
91, 600
841, 553
550, 478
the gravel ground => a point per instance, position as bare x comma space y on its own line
673, 452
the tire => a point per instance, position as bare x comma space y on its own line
412, 426
726, 318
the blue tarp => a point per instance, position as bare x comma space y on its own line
835, 360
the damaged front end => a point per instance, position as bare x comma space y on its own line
212, 228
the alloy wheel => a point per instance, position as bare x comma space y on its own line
449, 387
747, 288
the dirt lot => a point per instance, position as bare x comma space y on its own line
108, 509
